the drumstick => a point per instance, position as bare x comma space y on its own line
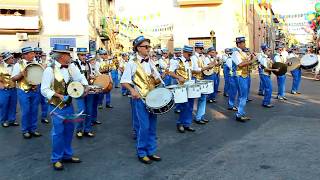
56, 107
156, 72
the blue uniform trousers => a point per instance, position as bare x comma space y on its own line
101, 97
146, 144
185, 116
267, 84
226, 74
8, 105
261, 84
61, 134
44, 107
249, 85
243, 95
281, 85
296, 75
29, 103
233, 91
115, 77
201, 107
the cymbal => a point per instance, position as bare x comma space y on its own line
294, 63
282, 68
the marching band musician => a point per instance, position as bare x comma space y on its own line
122, 65
176, 58
197, 73
91, 101
260, 71
164, 64
234, 85
180, 70
281, 80
84, 68
296, 73
114, 65
240, 63
247, 51
43, 103
106, 67
28, 95
139, 78
54, 84
212, 58
226, 72
8, 92
266, 67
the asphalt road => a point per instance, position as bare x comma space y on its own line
279, 143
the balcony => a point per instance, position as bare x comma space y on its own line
199, 2
19, 24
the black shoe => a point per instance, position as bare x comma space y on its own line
155, 158
88, 134
45, 121
298, 92
268, 106
205, 120
260, 94
117, 87
145, 160
5, 124
248, 100
35, 134
100, 106
97, 122
242, 119
285, 98
72, 160
225, 95
218, 91
58, 166
199, 122
212, 101
233, 109
13, 124
26, 135
109, 106
79, 134
180, 128
177, 111
189, 129
293, 92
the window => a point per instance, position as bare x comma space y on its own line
63, 11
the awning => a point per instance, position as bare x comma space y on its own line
19, 4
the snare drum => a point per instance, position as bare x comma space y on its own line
206, 86
34, 73
180, 93
75, 89
194, 91
103, 81
159, 101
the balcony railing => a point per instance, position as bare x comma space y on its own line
19, 23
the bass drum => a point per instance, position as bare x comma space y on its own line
309, 61
159, 101
104, 81
282, 68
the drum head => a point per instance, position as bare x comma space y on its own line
309, 61
34, 73
281, 66
75, 89
102, 81
295, 63
158, 98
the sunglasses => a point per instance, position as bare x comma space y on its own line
146, 46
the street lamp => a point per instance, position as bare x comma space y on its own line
212, 34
